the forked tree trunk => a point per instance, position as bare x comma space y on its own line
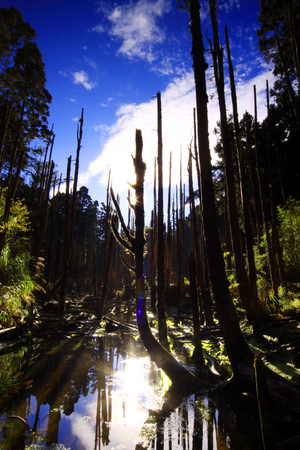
164, 360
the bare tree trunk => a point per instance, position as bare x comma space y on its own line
169, 233
241, 274
273, 275
108, 243
180, 243
244, 198
69, 224
275, 238
161, 308
154, 244
238, 350
65, 249
200, 272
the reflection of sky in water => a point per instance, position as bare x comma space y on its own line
132, 397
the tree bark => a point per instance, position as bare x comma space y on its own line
161, 309
237, 348
244, 198
273, 274
241, 274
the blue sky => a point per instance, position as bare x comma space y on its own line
111, 58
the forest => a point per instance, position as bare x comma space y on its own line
230, 268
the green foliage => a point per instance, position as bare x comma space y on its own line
289, 302
10, 366
18, 224
16, 286
289, 234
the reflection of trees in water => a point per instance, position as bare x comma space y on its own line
197, 423
64, 371
104, 408
60, 375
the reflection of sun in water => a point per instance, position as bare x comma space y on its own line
135, 390
135, 376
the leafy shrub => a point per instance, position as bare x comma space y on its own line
16, 286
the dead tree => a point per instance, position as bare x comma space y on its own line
273, 272
69, 225
244, 197
241, 273
201, 262
161, 308
163, 359
237, 348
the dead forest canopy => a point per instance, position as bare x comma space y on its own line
55, 243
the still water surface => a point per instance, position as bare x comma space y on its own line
103, 392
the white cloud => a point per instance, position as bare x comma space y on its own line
178, 101
81, 77
135, 24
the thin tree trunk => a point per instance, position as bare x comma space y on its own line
154, 244
108, 248
200, 274
274, 278
275, 238
169, 233
161, 308
65, 258
244, 198
254, 188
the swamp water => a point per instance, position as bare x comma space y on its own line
103, 392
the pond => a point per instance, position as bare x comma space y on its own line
98, 392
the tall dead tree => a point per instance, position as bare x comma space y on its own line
244, 197
241, 273
154, 243
161, 308
69, 226
201, 259
169, 233
237, 348
273, 272
164, 360
278, 261
108, 250
194, 262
